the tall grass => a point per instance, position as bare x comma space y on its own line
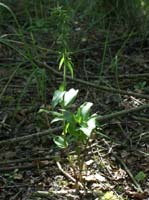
28, 53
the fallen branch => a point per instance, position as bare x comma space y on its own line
121, 113
51, 132
121, 76
23, 160
23, 167
104, 88
141, 119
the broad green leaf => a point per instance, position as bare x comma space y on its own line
72, 129
57, 97
85, 109
70, 96
68, 116
92, 123
88, 127
56, 119
61, 142
86, 131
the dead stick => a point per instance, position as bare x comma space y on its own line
122, 112
24, 167
128, 76
55, 130
49, 132
104, 88
23, 160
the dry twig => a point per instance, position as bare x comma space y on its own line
104, 88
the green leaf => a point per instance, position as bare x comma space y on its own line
56, 114
78, 116
61, 142
86, 131
41, 110
140, 176
92, 122
61, 61
57, 98
56, 119
66, 128
70, 67
85, 109
70, 96
68, 116
88, 127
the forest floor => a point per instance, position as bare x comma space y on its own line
117, 162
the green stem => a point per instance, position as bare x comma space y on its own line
64, 75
